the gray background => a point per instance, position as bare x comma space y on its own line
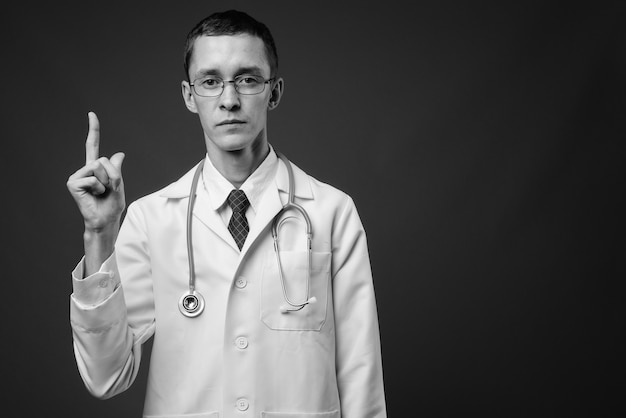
482, 143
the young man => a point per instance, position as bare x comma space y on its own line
259, 329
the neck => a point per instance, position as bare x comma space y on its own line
236, 166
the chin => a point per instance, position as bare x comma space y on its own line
232, 143
235, 142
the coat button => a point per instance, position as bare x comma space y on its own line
241, 342
241, 283
242, 404
103, 282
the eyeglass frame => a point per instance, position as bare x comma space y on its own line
224, 82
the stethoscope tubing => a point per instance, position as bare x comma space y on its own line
191, 303
192, 201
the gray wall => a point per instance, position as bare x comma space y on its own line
482, 144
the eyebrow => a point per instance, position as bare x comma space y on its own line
243, 70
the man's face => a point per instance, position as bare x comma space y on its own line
231, 121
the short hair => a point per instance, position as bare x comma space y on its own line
232, 22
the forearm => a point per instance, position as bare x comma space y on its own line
107, 341
99, 245
107, 351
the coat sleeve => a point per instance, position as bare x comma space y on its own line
358, 350
108, 334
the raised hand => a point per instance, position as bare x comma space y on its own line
97, 187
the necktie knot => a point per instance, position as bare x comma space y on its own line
238, 201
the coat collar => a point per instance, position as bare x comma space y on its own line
275, 197
180, 189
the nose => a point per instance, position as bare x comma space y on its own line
229, 99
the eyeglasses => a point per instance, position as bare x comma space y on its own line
244, 84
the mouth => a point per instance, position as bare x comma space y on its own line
230, 122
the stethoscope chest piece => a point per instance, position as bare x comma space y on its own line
191, 304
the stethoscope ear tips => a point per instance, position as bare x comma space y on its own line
287, 309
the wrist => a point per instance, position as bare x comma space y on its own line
100, 238
102, 226
98, 232
99, 245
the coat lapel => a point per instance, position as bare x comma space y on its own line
274, 198
270, 205
212, 219
202, 209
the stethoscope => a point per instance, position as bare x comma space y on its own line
191, 303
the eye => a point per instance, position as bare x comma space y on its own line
248, 79
209, 83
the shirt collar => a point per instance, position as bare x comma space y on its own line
303, 188
218, 187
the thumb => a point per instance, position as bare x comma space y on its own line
117, 160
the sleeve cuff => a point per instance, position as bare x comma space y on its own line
95, 289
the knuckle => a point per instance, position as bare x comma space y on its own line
93, 165
96, 187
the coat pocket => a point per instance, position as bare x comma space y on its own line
274, 291
332, 414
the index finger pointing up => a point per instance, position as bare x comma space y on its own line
92, 144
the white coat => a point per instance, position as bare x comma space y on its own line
241, 357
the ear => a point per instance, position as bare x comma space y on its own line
188, 97
276, 93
